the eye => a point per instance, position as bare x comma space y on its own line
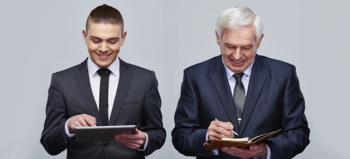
113, 41
96, 41
246, 48
230, 46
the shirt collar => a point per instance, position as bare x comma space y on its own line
93, 68
230, 74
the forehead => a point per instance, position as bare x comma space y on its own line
244, 35
104, 30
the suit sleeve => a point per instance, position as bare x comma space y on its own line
53, 137
188, 136
152, 118
295, 136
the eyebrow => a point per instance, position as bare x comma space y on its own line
229, 44
112, 38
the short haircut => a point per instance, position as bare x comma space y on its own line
105, 14
238, 17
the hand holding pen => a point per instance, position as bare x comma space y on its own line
219, 129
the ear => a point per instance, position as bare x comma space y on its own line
124, 36
260, 39
217, 37
85, 36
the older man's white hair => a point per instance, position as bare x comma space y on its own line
238, 17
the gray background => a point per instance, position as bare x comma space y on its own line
41, 37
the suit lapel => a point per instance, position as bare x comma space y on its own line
125, 79
218, 76
83, 81
256, 84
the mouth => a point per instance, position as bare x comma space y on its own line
237, 63
103, 57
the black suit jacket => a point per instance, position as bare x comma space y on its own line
274, 101
137, 102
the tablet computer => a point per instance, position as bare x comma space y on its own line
102, 133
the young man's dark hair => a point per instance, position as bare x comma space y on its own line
105, 14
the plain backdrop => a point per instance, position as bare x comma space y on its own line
40, 37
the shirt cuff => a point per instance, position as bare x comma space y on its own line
144, 145
69, 135
268, 156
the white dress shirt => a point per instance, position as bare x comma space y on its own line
95, 79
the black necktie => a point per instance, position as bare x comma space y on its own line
239, 95
103, 103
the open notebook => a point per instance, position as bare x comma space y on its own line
240, 142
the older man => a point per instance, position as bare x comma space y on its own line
241, 91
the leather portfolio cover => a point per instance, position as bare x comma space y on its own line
240, 142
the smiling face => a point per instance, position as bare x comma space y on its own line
238, 47
104, 41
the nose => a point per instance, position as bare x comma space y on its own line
103, 48
237, 53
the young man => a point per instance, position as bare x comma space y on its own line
103, 90
241, 91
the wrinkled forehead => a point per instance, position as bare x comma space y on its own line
242, 33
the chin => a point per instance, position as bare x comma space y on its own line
103, 64
236, 69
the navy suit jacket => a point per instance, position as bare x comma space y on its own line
274, 101
137, 102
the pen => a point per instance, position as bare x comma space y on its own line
234, 132
231, 130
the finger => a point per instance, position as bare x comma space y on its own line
138, 136
229, 151
235, 151
258, 150
75, 124
214, 123
245, 153
121, 140
90, 120
216, 132
129, 139
213, 135
253, 147
133, 145
225, 125
133, 138
138, 142
223, 132
126, 137
82, 121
